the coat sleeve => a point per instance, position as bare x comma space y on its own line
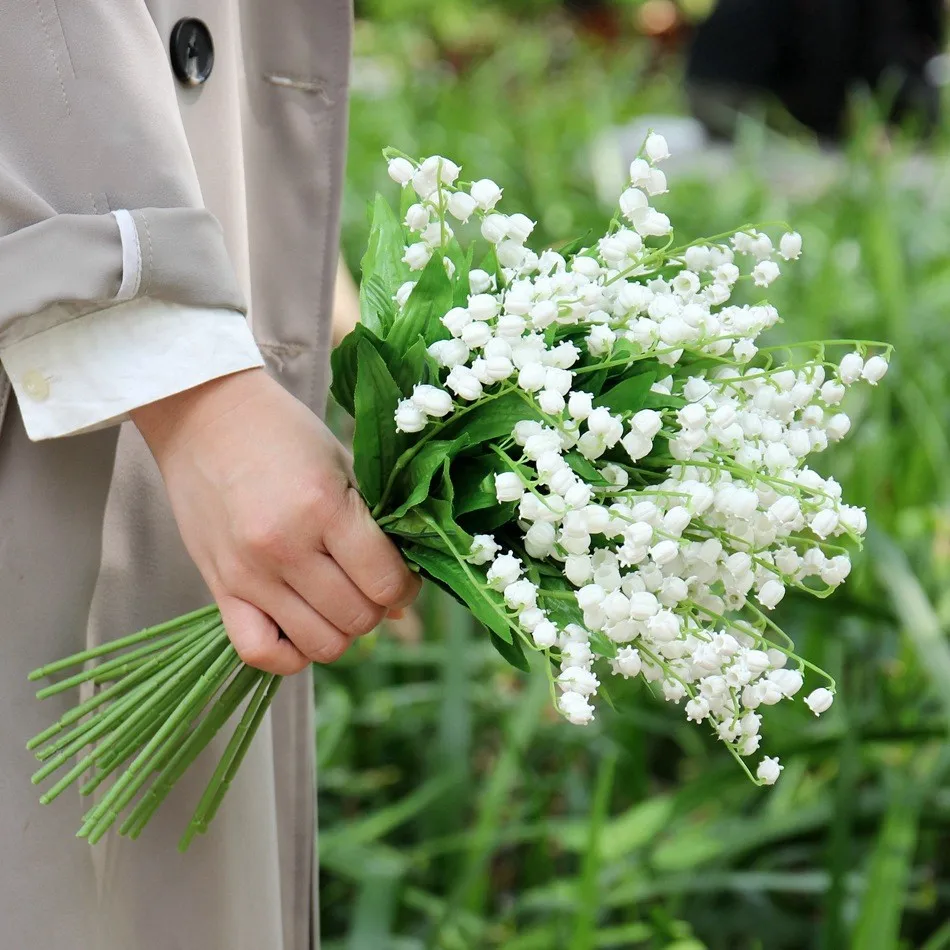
115, 285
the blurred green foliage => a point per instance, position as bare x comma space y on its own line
457, 811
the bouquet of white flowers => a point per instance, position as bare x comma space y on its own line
585, 446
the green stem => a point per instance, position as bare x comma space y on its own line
119, 663
231, 759
147, 634
117, 689
144, 700
200, 738
140, 719
85, 732
125, 789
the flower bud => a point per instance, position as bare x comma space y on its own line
480, 281
819, 700
508, 487
850, 368
788, 681
874, 369
400, 170
790, 247
409, 418
544, 635
521, 594
576, 708
764, 273
824, 523
520, 227
432, 401
417, 256
486, 193
417, 217
655, 148
769, 770
838, 426
505, 570
628, 662
771, 593
484, 548
461, 205
463, 382
476, 334
495, 228
531, 377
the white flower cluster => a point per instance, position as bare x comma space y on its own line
704, 511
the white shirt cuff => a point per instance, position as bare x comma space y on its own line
90, 372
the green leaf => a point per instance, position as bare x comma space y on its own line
663, 401
585, 468
462, 287
489, 519
487, 605
493, 419
417, 476
572, 247
382, 269
473, 477
429, 301
343, 362
629, 395
412, 367
490, 265
376, 444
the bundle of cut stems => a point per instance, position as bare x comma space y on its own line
160, 697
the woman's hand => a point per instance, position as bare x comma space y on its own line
264, 499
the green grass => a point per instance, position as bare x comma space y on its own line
457, 812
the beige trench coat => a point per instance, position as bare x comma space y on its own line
91, 120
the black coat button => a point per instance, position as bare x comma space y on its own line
192, 51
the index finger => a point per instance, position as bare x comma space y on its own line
368, 557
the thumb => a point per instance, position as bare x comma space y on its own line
257, 639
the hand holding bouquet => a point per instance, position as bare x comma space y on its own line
586, 446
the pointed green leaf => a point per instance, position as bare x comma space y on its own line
572, 247
429, 301
376, 443
494, 419
629, 395
417, 477
343, 362
382, 269
487, 605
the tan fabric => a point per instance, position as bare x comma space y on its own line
102, 125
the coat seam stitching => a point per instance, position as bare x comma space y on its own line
52, 54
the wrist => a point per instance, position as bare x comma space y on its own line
170, 422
